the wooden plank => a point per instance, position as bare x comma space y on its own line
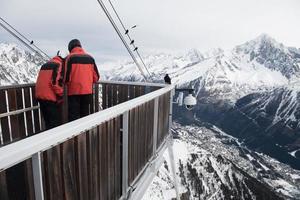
142, 129
136, 141
167, 106
114, 94
37, 122
29, 180
130, 146
146, 131
93, 163
137, 91
109, 96
34, 100
104, 96
111, 160
118, 175
160, 121
45, 175
131, 92
97, 107
14, 121
64, 107
29, 119
81, 165
92, 106
21, 119
3, 186
36, 117
104, 161
100, 157
53, 174
90, 163
133, 146
122, 93
140, 134
69, 172
3, 102
17, 183
4, 120
150, 145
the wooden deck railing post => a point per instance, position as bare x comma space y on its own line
125, 153
37, 176
155, 125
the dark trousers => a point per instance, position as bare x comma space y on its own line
79, 106
51, 113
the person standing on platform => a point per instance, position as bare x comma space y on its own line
167, 79
49, 91
81, 72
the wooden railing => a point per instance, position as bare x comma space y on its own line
95, 157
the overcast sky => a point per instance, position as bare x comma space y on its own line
163, 25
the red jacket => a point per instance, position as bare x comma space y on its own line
49, 84
81, 72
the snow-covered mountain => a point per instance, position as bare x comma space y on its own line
273, 55
213, 165
260, 64
17, 65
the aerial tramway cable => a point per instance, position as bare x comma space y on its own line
25, 38
121, 37
131, 41
22, 41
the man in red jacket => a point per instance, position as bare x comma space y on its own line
81, 72
49, 91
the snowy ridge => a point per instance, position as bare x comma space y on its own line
265, 50
260, 64
280, 105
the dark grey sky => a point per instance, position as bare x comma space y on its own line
163, 25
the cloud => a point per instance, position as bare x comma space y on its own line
168, 25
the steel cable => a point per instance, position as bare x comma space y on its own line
25, 38
22, 41
121, 37
127, 33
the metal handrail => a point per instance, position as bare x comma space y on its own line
16, 112
26, 148
6, 87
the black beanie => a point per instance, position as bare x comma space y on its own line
73, 43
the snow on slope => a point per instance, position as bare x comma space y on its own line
17, 65
213, 165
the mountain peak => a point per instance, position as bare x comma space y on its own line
195, 55
263, 41
265, 38
274, 55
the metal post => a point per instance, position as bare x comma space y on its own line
170, 146
37, 176
155, 125
125, 154
171, 155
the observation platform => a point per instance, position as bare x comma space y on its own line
113, 153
